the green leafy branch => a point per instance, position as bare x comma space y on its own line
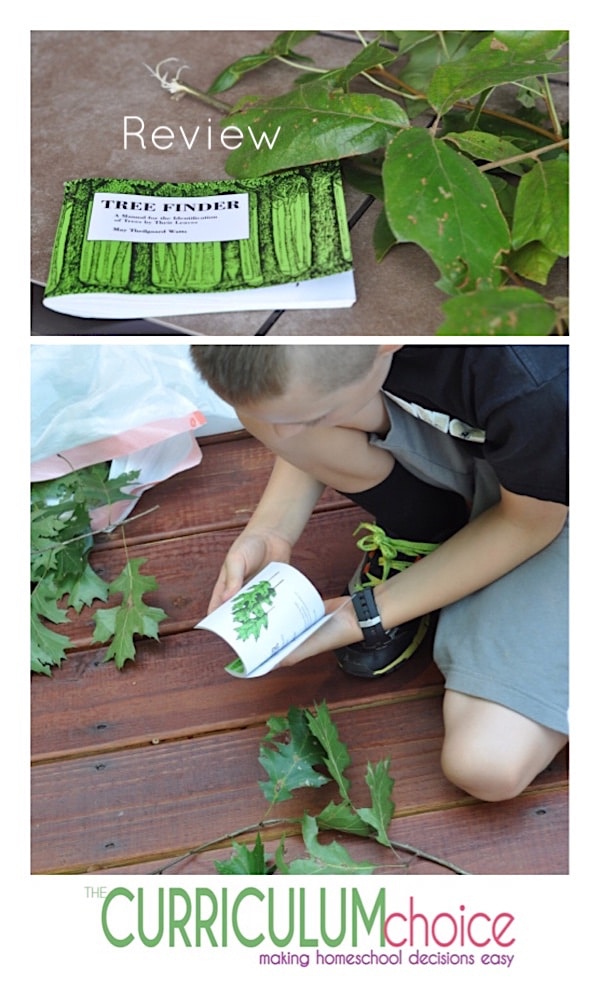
303, 750
418, 120
62, 576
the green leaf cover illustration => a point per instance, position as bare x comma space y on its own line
298, 230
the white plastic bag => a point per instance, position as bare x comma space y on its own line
141, 407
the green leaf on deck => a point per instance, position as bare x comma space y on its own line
48, 648
336, 757
244, 860
329, 859
533, 262
342, 817
289, 754
380, 814
86, 588
283, 45
541, 210
132, 617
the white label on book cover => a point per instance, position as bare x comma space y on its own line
132, 218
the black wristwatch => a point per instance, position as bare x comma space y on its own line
368, 617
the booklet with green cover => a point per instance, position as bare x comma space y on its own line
134, 248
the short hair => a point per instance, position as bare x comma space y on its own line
247, 373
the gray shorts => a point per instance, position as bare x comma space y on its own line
508, 642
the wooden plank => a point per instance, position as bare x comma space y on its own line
115, 808
186, 569
527, 836
221, 492
181, 690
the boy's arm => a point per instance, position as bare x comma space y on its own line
487, 548
494, 543
272, 531
292, 492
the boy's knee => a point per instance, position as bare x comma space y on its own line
491, 780
492, 752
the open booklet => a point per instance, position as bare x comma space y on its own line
136, 248
267, 619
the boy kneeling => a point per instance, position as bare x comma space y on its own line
460, 455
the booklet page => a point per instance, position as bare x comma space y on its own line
269, 617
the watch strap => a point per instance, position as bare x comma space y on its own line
368, 616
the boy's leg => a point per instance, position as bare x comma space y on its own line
491, 751
504, 654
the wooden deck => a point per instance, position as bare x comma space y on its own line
133, 769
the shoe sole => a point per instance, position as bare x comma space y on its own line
409, 651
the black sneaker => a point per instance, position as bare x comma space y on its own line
381, 651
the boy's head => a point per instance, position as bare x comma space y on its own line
291, 387
247, 374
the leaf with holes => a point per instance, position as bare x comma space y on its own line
437, 198
503, 57
502, 312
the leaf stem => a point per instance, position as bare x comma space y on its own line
201, 848
409, 93
478, 108
425, 856
302, 66
534, 154
441, 37
548, 98
90, 534
379, 83
290, 821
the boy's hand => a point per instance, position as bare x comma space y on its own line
247, 556
341, 630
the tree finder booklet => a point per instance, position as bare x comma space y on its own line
267, 619
134, 248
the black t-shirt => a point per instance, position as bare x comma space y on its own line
516, 396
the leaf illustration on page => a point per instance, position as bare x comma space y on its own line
249, 610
